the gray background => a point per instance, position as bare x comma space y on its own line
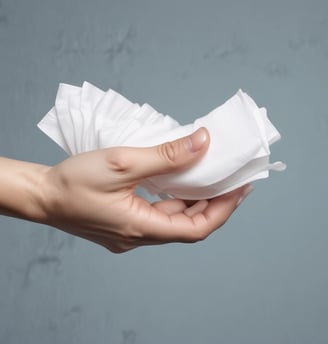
260, 279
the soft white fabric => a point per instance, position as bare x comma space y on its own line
87, 118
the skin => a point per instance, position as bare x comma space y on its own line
92, 195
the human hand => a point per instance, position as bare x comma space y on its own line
92, 195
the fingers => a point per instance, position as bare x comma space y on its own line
174, 206
172, 221
140, 163
193, 224
170, 207
196, 208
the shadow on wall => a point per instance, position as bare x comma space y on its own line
129, 337
3, 15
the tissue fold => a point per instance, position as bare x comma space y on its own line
87, 118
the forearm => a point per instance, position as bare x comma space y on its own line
21, 194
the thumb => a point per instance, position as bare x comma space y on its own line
140, 163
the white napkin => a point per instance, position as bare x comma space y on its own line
87, 118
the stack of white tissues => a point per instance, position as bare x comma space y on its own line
87, 118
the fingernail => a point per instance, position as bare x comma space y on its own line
196, 141
245, 193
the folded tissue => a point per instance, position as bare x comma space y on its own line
87, 118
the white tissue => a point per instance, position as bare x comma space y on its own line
87, 118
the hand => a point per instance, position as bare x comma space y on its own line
92, 195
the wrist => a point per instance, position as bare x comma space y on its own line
22, 190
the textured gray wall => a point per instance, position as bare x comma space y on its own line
263, 277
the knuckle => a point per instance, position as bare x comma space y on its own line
132, 233
118, 162
136, 236
223, 221
168, 152
116, 250
198, 235
129, 239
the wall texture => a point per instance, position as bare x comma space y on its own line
263, 277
